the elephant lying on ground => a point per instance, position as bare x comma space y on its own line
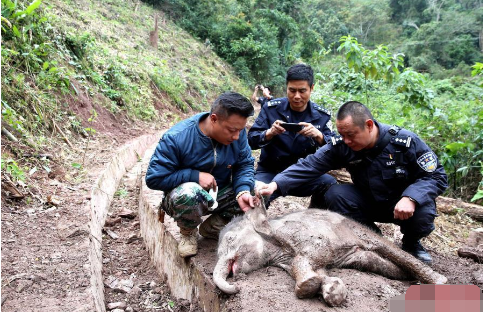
307, 242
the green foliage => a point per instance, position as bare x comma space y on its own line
30, 69
379, 65
121, 193
171, 83
447, 114
11, 167
479, 194
264, 37
478, 71
412, 85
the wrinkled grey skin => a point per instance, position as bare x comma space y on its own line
304, 243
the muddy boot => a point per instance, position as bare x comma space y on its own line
188, 244
414, 247
212, 226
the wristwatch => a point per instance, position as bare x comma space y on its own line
412, 199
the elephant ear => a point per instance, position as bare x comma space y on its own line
258, 217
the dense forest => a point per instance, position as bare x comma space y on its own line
262, 37
416, 63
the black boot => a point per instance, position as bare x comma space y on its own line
414, 247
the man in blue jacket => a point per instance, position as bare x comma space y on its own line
282, 148
396, 176
199, 157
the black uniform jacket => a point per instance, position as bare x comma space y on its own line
406, 166
285, 149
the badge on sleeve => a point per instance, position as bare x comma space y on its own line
428, 162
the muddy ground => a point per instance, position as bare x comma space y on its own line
42, 266
44, 262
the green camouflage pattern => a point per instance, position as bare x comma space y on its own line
188, 202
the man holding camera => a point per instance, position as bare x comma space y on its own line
282, 147
266, 95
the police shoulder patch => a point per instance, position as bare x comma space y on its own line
402, 140
428, 161
321, 109
336, 140
273, 103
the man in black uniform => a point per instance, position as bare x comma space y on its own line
282, 148
396, 176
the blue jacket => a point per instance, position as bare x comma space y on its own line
285, 149
405, 167
184, 151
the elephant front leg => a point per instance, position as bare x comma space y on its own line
307, 281
333, 289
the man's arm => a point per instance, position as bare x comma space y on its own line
243, 170
163, 171
257, 136
308, 168
254, 97
244, 173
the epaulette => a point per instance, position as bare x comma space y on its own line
394, 130
336, 140
402, 140
274, 103
321, 109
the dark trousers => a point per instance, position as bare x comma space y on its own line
348, 200
316, 186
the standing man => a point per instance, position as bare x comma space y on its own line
266, 95
396, 176
282, 148
208, 151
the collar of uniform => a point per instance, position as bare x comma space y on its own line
383, 128
283, 108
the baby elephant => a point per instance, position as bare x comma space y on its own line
304, 243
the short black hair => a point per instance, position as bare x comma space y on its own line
358, 111
300, 72
230, 103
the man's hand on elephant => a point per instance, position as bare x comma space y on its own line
245, 201
310, 131
404, 209
274, 130
207, 181
265, 189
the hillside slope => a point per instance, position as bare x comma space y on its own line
80, 79
72, 70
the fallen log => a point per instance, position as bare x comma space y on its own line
474, 246
472, 253
453, 206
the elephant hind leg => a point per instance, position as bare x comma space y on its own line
370, 261
307, 281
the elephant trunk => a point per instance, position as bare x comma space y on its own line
220, 273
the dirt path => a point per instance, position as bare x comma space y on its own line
134, 285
